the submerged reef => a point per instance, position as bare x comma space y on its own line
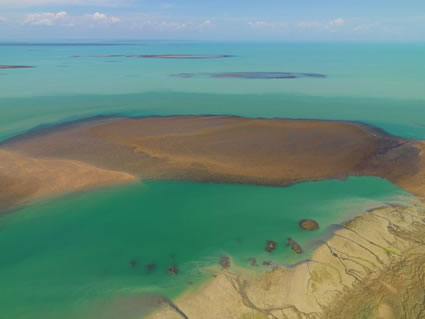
252, 75
159, 56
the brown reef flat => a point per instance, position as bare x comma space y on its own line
15, 67
273, 152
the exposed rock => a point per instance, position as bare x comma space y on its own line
267, 263
173, 270
252, 261
271, 245
294, 245
308, 224
225, 261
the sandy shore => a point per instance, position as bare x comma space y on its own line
219, 149
372, 268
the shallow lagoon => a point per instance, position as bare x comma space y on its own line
64, 256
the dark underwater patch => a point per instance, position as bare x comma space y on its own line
160, 56
252, 75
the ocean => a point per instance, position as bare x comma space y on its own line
74, 256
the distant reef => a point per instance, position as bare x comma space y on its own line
252, 75
16, 67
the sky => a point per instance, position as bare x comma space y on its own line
216, 20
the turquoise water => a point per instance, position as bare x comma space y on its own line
62, 257
381, 84
70, 257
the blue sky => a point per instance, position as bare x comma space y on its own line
286, 20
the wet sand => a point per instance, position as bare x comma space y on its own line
218, 149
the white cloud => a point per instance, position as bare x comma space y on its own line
207, 24
103, 18
166, 6
309, 25
34, 3
267, 25
338, 22
166, 25
321, 26
3, 19
47, 18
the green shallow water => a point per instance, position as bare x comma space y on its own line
65, 257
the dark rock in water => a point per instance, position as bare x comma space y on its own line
294, 245
225, 261
271, 245
151, 267
267, 263
173, 270
308, 224
133, 263
252, 261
